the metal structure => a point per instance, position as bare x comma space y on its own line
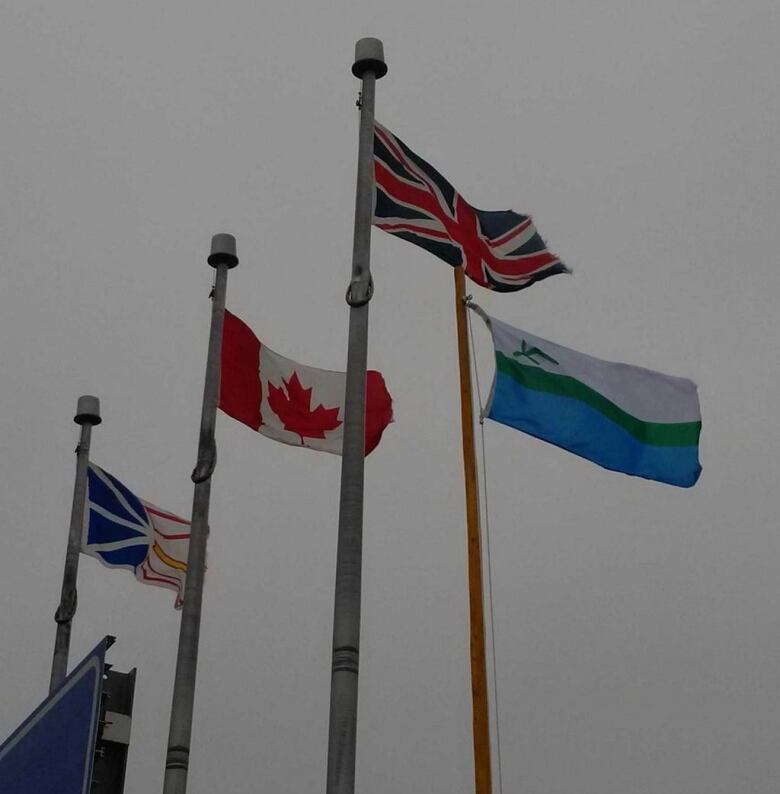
87, 415
52, 751
369, 66
222, 258
116, 711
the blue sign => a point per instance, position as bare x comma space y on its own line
51, 752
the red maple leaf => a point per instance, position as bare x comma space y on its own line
294, 409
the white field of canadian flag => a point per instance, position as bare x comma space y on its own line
290, 402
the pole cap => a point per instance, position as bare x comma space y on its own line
369, 57
87, 411
223, 251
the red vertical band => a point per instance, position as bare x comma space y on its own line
240, 392
379, 408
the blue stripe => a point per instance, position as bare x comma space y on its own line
446, 189
385, 207
131, 498
449, 252
102, 494
133, 556
104, 530
576, 427
494, 223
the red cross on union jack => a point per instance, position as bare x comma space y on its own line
500, 250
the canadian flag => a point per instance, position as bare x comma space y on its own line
292, 403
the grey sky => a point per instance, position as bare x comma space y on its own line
636, 624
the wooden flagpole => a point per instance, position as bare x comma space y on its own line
479, 700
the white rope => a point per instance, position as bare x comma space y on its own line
487, 546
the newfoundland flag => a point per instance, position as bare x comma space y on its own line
123, 531
500, 250
290, 402
624, 418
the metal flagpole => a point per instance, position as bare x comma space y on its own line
223, 258
479, 700
369, 66
87, 415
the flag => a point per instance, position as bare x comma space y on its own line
290, 402
123, 531
624, 418
500, 250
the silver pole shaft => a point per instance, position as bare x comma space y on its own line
346, 613
88, 414
180, 730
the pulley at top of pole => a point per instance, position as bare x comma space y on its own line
223, 251
369, 56
87, 410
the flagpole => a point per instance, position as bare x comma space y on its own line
369, 66
479, 700
87, 415
222, 258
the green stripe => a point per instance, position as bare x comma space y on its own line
661, 434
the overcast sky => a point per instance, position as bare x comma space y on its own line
637, 625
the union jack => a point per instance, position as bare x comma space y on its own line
123, 531
500, 250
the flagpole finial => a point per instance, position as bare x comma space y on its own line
223, 251
87, 411
369, 56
